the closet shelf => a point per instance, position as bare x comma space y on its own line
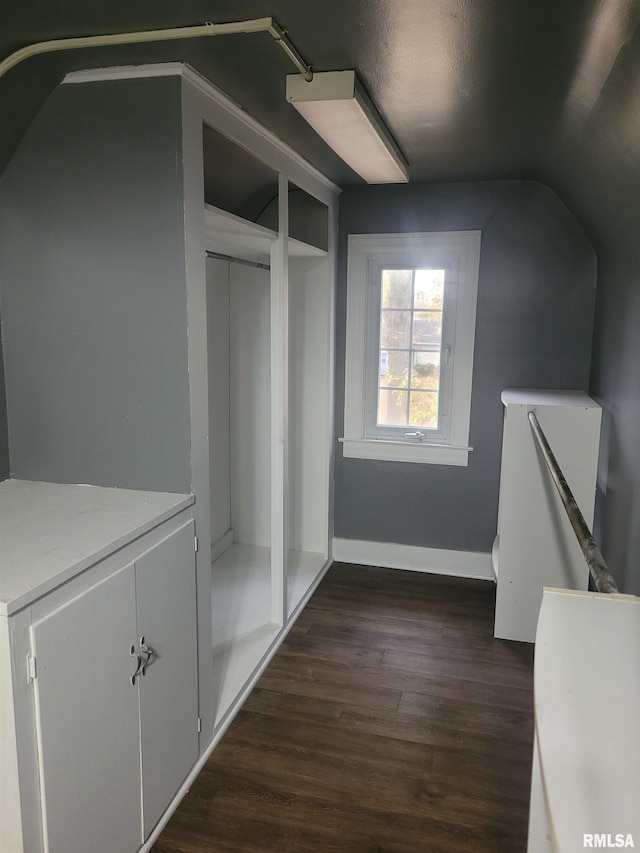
228, 234
231, 235
298, 249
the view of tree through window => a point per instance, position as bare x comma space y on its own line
411, 314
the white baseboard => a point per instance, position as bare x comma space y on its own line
413, 558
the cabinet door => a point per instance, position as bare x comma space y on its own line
166, 605
87, 721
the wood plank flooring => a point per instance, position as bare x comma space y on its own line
390, 721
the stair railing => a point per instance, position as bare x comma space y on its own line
597, 567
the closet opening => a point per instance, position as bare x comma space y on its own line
269, 310
239, 342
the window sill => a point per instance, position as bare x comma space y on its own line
405, 451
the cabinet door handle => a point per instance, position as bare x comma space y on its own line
140, 664
148, 653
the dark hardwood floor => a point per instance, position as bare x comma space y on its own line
390, 721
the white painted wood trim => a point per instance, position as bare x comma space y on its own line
540, 397
126, 72
330, 422
363, 249
413, 558
466, 308
354, 380
11, 815
195, 276
23, 791
280, 408
404, 451
228, 118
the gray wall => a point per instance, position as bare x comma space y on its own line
4, 436
534, 325
595, 164
94, 304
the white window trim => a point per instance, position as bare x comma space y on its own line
367, 249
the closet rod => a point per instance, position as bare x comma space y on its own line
219, 256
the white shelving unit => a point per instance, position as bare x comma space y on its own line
269, 309
260, 317
535, 545
246, 575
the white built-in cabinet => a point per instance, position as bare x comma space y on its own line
257, 588
535, 546
264, 324
205, 586
98, 635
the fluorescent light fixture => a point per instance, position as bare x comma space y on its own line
340, 111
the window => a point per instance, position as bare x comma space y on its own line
411, 305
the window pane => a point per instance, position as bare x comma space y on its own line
427, 329
392, 408
425, 370
429, 289
394, 331
396, 288
394, 369
423, 409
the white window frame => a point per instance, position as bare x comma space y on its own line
459, 253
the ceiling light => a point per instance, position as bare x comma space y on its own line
340, 111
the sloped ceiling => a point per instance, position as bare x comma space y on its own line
470, 89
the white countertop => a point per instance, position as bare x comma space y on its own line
50, 532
